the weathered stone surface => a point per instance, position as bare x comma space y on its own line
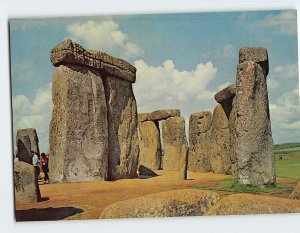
122, 129
296, 192
199, 141
69, 52
185, 202
239, 204
258, 55
254, 143
27, 141
232, 138
159, 115
145, 171
220, 159
225, 94
183, 163
79, 128
150, 146
173, 132
26, 183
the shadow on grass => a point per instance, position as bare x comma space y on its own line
46, 214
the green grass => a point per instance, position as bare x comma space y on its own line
287, 168
287, 148
232, 185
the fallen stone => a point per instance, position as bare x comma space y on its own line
173, 133
150, 146
296, 192
254, 143
199, 141
27, 141
26, 183
240, 204
79, 128
185, 202
220, 159
145, 171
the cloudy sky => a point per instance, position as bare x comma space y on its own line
182, 60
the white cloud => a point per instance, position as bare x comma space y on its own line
34, 114
288, 71
285, 117
165, 87
284, 22
103, 35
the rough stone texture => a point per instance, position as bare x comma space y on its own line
144, 171
240, 204
220, 159
232, 138
185, 202
27, 141
150, 146
69, 52
26, 183
173, 132
258, 55
159, 115
199, 141
78, 129
254, 143
296, 192
183, 162
123, 142
225, 94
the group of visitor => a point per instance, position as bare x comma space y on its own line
40, 163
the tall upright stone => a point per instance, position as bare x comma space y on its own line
255, 157
220, 158
26, 141
150, 146
93, 131
199, 141
183, 163
173, 133
226, 97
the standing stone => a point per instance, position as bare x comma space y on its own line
255, 157
220, 159
232, 138
26, 183
123, 142
150, 147
173, 132
93, 132
27, 141
226, 98
199, 141
183, 162
78, 129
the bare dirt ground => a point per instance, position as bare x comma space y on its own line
87, 200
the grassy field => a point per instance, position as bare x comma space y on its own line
288, 167
287, 148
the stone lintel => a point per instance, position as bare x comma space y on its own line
258, 55
158, 115
226, 94
69, 52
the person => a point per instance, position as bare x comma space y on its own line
280, 157
35, 162
45, 168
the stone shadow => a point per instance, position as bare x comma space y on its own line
46, 214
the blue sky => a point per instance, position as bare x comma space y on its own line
182, 60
